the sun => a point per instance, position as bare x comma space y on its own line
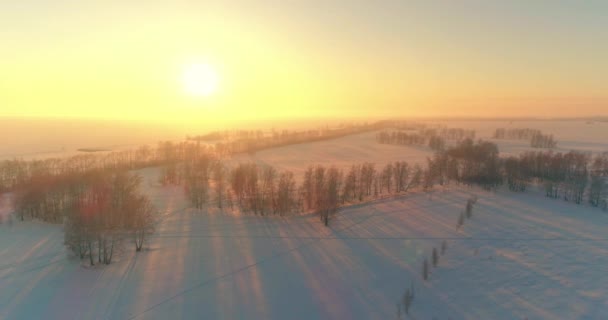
200, 80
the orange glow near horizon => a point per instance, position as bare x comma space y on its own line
126, 61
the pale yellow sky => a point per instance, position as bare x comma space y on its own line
281, 59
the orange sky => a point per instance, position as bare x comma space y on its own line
282, 59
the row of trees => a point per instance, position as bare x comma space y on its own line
466, 162
515, 133
41, 187
449, 133
540, 140
408, 139
401, 138
264, 190
536, 137
253, 141
19, 174
570, 176
434, 138
432, 129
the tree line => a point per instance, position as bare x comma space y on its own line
264, 190
536, 137
515, 133
18, 174
540, 140
434, 138
467, 162
572, 176
411, 139
42, 188
251, 141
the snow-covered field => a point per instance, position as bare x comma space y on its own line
342, 153
578, 135
38, 139
346, 151
520, 256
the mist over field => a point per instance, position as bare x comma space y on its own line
58, 137
52, 137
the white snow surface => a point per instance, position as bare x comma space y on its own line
355, 149
341, 152
520, 256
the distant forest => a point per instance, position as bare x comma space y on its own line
536, 137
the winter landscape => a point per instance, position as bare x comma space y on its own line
520, 254
303, 160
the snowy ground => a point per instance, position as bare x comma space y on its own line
359, 148
578, 135
43, 139
341, 152
521, 255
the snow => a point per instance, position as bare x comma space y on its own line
521, 255
570, 135
341, 152
346, 151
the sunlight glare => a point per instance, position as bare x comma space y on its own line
200, 80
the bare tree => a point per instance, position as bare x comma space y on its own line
285, 199
268, 189
408, 299
308, 188
401, 175
387, 177
469, 206
319, 187
141, 219
425, 270
331, 195
460, 221
398, 305
349, 191
219, 177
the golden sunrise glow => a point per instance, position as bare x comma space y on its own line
200, 80
294, 60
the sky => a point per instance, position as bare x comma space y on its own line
303, 59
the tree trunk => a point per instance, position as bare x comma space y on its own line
91, 259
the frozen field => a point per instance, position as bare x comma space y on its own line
40, 139
520, 256
345, 151
342, 153
570, 134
